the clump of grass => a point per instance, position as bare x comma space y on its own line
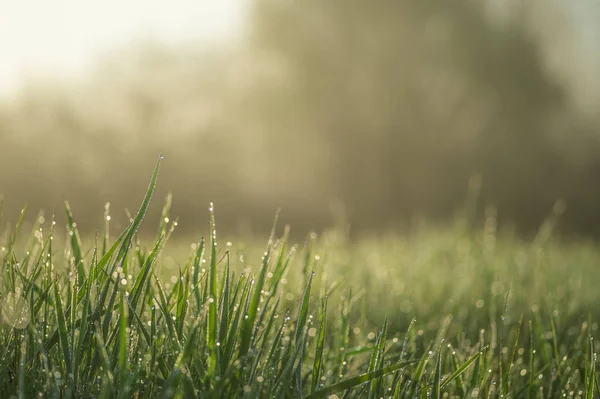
104, 323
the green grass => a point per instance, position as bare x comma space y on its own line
433, 313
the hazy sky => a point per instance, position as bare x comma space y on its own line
48, 38
61, 37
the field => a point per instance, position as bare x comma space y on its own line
463, 311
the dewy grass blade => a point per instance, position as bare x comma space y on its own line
356, 381
316, 375
531, 359
247, 333
555, 346
13, 238
75, 242
103, 355
106, 233
213, 299
224, 314
591, 378
182, 311
140, 325
123, 346
418, 375
511, 360
459, 385
459, 371
164, 308
424, 390
273, 310
137, 221
376, 361
83, 334
437, 378
303, 316
164, 220
124, 248
344, 333
22, 367
238, 315
196, 272
300, 331
62, 330
143, 274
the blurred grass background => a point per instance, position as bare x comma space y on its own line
367, 113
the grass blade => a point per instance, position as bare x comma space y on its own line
356, 381
316, 375
460, 370
62, 330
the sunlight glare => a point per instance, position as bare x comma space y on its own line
41, 39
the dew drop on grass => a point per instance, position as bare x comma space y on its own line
15, 311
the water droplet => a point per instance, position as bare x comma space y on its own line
15, 310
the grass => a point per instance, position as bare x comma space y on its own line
435, 313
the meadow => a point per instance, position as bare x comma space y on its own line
461, 311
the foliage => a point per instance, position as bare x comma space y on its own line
105, 323
386, 107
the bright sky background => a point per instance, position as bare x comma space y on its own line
42, 38
48, 38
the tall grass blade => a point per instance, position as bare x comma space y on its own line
62, 330
316, 374
213, 298
356, 381
459, 371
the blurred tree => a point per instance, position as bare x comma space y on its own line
387, 107
411, 97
